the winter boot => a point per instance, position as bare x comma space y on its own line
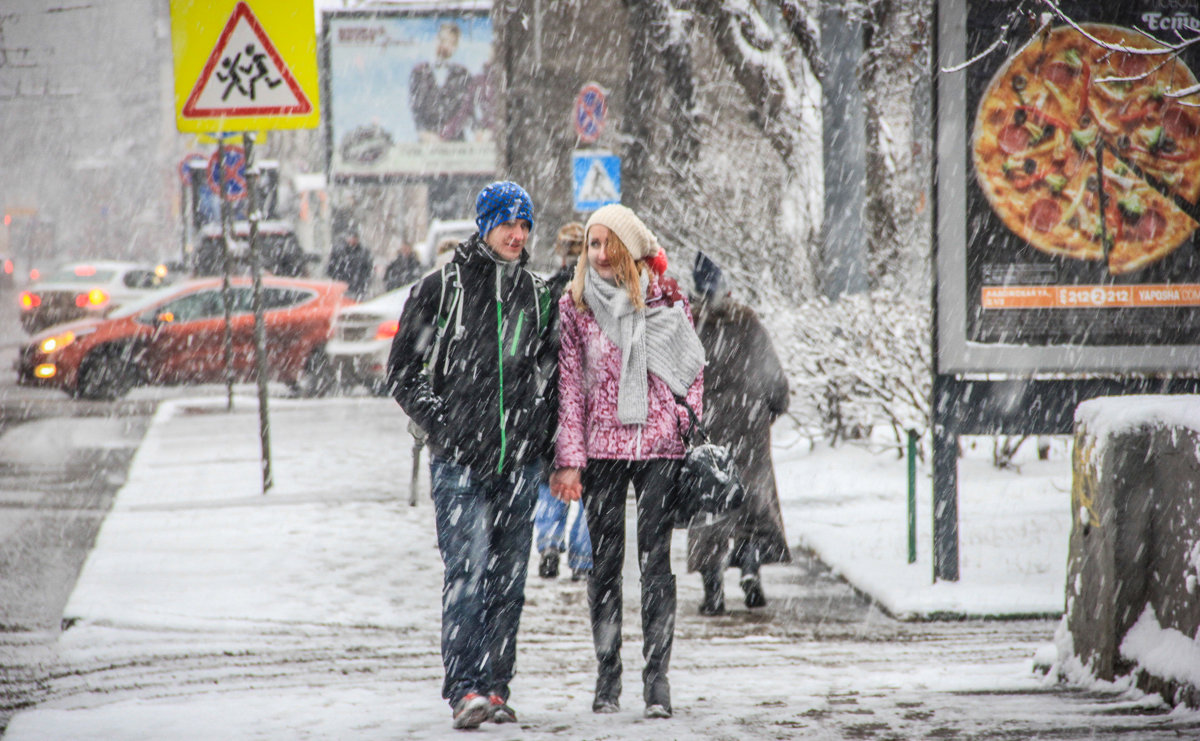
658, 634
604, 605
714, 593
548, 568
752, 586
746, 556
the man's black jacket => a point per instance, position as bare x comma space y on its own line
489, 398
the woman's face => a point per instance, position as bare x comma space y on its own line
597, 251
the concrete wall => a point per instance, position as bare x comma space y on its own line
1136, 526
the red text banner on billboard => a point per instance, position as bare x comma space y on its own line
410, 92
1077, 148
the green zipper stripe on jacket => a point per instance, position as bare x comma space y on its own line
500, 348
517, 334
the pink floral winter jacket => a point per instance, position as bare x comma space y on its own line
589, 367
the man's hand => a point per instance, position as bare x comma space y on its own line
566, 484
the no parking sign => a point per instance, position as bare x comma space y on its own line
591, 110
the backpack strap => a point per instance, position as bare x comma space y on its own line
545, 299
452, 287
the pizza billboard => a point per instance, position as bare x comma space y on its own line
409, 92
1068, 188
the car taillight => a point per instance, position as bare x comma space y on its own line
387, 330
94, 297
30, 300
8, 267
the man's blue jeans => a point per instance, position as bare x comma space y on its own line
484, 527
550, 527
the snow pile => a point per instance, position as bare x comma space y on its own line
1162, 652
1114, 415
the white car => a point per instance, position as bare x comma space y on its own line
362, 338
87, 290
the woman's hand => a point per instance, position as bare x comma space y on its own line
566, 484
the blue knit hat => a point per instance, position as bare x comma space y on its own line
501, 202
706, 274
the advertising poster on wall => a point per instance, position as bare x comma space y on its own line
409, 93
1081, 182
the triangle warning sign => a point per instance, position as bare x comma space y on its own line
598, 186
245, 75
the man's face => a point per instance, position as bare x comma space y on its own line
447, 43
507, 240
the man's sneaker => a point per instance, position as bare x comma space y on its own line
548, 569
471, 711
501, 712
658, 711
752, 586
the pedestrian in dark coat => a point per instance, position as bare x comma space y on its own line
473, 364
350, 262
404, 269
745, 391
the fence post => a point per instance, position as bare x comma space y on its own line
912, 496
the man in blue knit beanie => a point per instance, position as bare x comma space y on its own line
474, 364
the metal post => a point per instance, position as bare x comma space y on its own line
945, 483
912, 496
260, 335
226, 253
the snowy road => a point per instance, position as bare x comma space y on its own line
211, 611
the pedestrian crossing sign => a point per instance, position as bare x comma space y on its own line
597, 178
244, 65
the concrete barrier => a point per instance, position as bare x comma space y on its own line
1133, 577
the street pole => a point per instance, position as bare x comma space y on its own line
260, 334
226, 253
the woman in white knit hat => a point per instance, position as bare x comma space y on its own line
628, 349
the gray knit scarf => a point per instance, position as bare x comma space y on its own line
658, 340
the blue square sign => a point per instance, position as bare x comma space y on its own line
597, 177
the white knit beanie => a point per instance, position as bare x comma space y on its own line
640, 241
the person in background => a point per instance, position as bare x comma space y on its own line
444, 252
402, 270
350, 262
550, 520
473, 364
627, 350
745, 391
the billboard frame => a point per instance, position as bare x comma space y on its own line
329, 102
954, 353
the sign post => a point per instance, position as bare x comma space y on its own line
245, 66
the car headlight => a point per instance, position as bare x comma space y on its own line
56, 342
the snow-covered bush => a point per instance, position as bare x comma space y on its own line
856, 363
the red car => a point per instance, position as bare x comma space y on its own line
176, 335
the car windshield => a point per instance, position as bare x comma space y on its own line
145, 302
80, 274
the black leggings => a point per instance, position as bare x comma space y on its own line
605, 483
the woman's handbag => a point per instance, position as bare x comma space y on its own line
709, 481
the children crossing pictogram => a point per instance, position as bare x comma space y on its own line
245, 75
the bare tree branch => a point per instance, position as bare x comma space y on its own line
805, 33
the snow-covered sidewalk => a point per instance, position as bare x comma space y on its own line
210, 610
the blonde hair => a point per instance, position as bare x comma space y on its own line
626, 272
